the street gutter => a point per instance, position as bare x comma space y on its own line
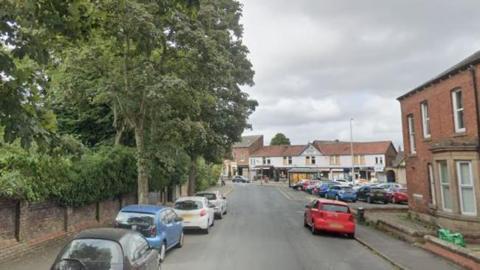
380, 254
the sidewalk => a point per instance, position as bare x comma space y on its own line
400, 253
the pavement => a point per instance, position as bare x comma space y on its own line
264, 230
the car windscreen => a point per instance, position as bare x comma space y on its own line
209, 196
335, 208
188, 205
134, 218
94, 254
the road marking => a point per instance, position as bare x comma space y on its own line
284, 194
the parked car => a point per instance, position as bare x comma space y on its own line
372, 194
240, 179
160, 225
322, 190
311, 185
218, 200
398, 195
389, 185
197, 213
107, 248
328, 215
343, 193
299, 185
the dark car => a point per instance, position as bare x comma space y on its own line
372, 194
240, 179
107, 249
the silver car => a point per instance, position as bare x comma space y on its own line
217, 199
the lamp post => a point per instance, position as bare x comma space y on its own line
351, 149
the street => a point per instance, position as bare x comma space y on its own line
264, 230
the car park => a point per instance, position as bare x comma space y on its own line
322, 190
342, 193
107, 248
330, 216
311, 185
160, 225
372, 194
218, 200
197, 213
299, 185
398, 195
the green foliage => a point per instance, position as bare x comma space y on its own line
97, 175
207, 174
280, 139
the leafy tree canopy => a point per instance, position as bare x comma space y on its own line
280, 139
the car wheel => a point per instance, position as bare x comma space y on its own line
369, 199
220, 215
351, 235
207, 229
161, 253
180, 241
337, 198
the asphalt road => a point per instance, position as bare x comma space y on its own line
264, 230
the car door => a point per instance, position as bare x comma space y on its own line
308, 210
210, 210
171, 233
361, 193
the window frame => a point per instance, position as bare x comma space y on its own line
443, 184
462, 186
411, 134
431, 179
427, 133
456, 111
290, 160
313, 160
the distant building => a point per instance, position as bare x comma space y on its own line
241, 151
397, 170
441, 130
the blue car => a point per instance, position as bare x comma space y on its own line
322, 190
160, 225
342, 193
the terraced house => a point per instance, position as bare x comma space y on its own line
324, 159
441, 130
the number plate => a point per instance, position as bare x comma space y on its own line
187, 218
336, 225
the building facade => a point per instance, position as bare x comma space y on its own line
323, 159
440, 122
241, 151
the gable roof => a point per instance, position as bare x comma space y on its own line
279, 151
247, 141
465, 63
398, 159
343, 148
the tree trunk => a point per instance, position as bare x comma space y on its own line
142, 181
192, 177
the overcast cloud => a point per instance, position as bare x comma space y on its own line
319, 63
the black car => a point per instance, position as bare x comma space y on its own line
372, 194
240, 179
107, 249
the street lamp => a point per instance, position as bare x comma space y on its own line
351, 149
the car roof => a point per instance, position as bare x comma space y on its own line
332, 202
143, 208
192, 198
111, 234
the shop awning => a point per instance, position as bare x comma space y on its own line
304, 170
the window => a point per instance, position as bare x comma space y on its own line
457, 101
465, 186
359, 159
289, 160
411, 134
445, 186
284, 160
307, 160
334, 160
381, 160
425, 120
376, 160
313, 160
432, 184
264, 160
94, 252
268, 161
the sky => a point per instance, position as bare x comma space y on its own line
319, 63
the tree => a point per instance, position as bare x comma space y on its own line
280, 139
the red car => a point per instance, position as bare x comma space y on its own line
399, 195
331, 216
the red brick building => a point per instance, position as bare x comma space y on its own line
441, 131
241, 151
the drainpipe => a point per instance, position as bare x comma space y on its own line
475, 91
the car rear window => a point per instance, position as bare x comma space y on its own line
94, 254
188, 205
134, 218
335, 208
209, 196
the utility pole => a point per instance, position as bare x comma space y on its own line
351, 150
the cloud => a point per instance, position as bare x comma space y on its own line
318, 63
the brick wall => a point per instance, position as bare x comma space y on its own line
438, 97
38, 224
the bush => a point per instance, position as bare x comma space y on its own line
207, 174
97, 175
